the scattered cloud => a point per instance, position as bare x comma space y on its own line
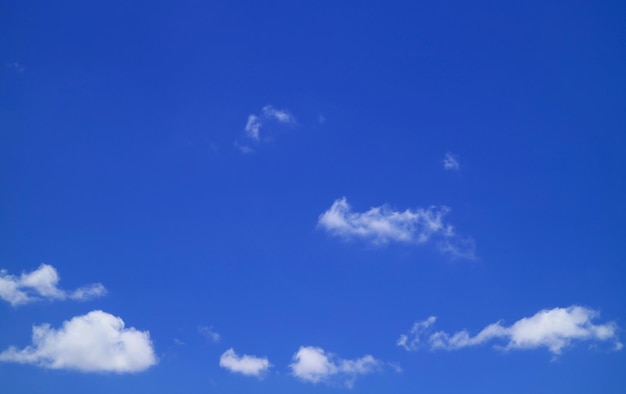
382, 225
42, 284
95, 342
313, 364
253, 127
256, 121
281, 115
451, 162
554, 329
17, 67
209, 333
245, 365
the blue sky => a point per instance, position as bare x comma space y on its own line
312, 197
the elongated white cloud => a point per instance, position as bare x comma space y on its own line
95, 342
451, 162
42, 284
382, 225
313, 364
255, 123
245, 365
554, 329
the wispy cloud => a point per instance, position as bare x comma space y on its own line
17, 67
451, 162
554, 329
246, 364
209, 333
256, 121
382, 225
42, 284
95, 342
313, 364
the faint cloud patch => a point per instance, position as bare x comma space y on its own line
209, 333
255, 123
451, 162
15, 66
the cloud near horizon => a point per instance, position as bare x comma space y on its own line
554, 329
42, 284
245, 365
382, 225
314, 365
95, 342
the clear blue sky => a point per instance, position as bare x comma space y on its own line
307, 183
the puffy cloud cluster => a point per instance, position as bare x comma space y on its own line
382, 225
313, 364
245, 365
42, 284
95, 342
554, 329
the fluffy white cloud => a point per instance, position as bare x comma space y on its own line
313, 364
451, 162
554, 329
95, 342
382, 225
246, 364
42, 283
255, 122
209, 333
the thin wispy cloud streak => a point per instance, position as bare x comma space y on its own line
314, 365
383, 225
95, 342
42, 284
554, 329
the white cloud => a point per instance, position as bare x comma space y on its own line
255, 123
554, 329
209, 333
381, 225
451, 162
245, 365
313, 364
42, 283
95, 342
253, 126
281, 115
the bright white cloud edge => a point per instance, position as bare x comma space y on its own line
246, 365
42, 284
382, 225
314, 365
95, 342
554, 329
